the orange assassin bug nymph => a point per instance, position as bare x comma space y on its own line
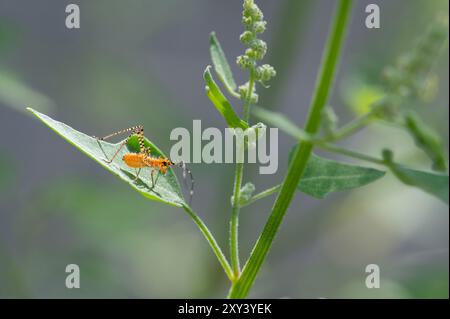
145, 159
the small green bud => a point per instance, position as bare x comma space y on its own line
260, 49
247, 22
252, 10
251, 53
244, 62
254, 133
260, 26
248, 5
265, 72
243, 92
245, 193
247, 37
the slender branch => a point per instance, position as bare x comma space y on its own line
358, 123
351, 128
251, 84
212, 242
350, 153
239, 171
297, 166
234, 221
263, 194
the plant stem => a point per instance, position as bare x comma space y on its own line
358, 123
297, 166
351, 127
263, 194
350, 153
211, 240
251, 84
234, 221
239, 171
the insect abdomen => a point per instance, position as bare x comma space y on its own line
134, 160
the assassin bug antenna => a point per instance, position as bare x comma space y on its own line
144, 159
185, 169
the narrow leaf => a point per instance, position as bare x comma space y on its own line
323, 176
280, 121
434, 184
221, 103
220, 63
166, 190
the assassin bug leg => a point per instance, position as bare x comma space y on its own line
117, 152
135, 130
152, 173
137, 175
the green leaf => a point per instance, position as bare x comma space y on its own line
166, 190
434, 184
220, 63
323, 176
221, 103
427, 140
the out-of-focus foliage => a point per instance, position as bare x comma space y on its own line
361, 96
15, 94
428, 140
432, 183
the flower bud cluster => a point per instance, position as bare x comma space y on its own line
253, 21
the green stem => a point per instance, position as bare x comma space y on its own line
241, 287
212, 242
234, 221
239, 171
350, 153
263, 194
251, 84
358, 123
351, 128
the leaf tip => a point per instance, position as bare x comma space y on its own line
207, 72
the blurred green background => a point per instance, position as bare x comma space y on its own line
141, 62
